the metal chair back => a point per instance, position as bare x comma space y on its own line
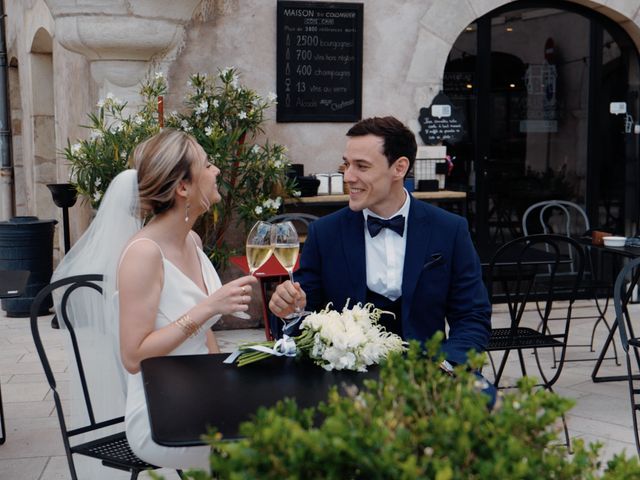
113, 449
528, 270
626, 282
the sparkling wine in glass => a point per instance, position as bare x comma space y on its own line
258, 250
286, 245
259, 247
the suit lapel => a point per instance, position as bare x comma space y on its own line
352, 225
418, 240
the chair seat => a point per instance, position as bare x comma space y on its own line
114, 451
507, 338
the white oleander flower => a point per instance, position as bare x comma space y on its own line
95, 134
208, 131
271, 97
255, 149
75, 148
297, 193
242, 115
215, 103
158, 75
202, 107
258, 210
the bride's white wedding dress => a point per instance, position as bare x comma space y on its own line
179, 294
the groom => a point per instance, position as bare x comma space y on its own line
401, 254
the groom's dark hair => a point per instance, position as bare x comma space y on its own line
399, 141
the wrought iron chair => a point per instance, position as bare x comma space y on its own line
300, 220
626, 282
562, 217
113, 449
524, 271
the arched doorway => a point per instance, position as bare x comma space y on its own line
535, 82
43, 169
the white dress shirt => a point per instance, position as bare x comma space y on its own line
385, 255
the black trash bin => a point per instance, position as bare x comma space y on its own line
26, 243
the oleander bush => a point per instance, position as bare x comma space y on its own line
415, 422
226, 118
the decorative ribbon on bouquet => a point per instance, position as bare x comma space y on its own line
285, 347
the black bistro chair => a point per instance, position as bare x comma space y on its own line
113, 449
562, 217
523, 273
626, 282
300, 220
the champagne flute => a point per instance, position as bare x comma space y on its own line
286, 245
258, 250
259, 247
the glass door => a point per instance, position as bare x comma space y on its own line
535, 85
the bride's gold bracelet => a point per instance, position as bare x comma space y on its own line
188, 326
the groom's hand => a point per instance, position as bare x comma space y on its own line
286, 297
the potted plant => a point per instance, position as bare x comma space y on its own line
225, 117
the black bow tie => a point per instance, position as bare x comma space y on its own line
375, 224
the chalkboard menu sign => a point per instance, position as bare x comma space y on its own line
441, 122
319, 62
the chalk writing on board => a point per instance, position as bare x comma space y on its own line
441, 122
319, 61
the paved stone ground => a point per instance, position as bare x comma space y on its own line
34, 451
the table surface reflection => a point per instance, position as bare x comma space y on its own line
188, 394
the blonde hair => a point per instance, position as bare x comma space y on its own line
162, 161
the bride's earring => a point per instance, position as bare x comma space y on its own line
186, 213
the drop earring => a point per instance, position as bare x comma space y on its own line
186, 213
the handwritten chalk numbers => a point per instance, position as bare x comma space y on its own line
307, 40
303, 70
319, 61
303, 55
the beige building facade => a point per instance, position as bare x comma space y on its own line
64, 55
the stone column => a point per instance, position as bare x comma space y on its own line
121, 37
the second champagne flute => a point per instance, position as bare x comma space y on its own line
286, 245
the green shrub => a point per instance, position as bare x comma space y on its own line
415, 422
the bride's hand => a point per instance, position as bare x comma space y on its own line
232, 297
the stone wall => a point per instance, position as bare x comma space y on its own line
66, 54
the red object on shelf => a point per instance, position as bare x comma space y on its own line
271, 268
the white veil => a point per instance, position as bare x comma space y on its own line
95, 317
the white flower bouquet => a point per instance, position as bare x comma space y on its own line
348, 340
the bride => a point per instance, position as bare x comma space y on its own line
158, 281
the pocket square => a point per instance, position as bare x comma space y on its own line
436, 260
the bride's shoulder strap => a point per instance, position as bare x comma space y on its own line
124, 252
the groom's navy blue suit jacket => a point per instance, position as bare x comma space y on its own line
442, 275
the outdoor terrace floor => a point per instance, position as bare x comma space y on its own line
33, 449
